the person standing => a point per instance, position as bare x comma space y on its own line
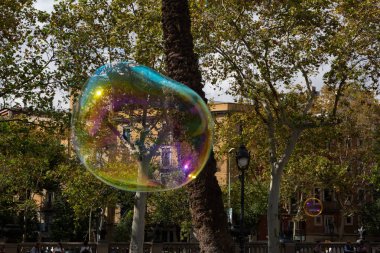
58, 248
85, 248
348, 248
317, 248
362, 248
36, 248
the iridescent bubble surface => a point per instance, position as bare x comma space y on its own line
313, 207
138, 130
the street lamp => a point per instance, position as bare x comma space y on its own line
242, 160
229, 186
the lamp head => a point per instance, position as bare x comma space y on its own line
242, 157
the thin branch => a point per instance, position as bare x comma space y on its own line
132, 148
259, 113
338, 94
271, 135
241, 37
310, 102
230, 60
269, 78
305, 76
290, 147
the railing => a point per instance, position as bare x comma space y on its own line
256, 247
124, 247
47, 247
326, 247
333, 247
179, 247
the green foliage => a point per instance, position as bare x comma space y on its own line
371, 216
376, 145
124, 228
29, 157
25, 55
84, 192
255, 197
338, 157
261, 48
107, 31
63, 223
168, 208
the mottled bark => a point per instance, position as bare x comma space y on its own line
277, 168
208, 216
272, 213
138, 224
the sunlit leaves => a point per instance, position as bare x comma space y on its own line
25, 57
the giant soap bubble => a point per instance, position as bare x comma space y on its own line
138, 130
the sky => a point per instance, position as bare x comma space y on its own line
44, 5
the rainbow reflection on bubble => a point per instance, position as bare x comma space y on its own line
138, 130
313, 207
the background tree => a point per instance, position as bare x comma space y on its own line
28, 157
65, 226
25, 57
371, 211
91, 199
108, 31
338, 158
170, 209
230, 132
266, 50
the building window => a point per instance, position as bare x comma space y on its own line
127, 133
328, 195
348, 221
317, 193
318, 221
361, 196
49, 198
166, 157
293, 205
329, 224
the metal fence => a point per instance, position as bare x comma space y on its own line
47, 247
179, 247
124, 247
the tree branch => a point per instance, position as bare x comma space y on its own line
271, 135
338, 94
290, 147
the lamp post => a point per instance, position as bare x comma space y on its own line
242, 160
229, 186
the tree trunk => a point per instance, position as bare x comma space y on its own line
278, 166
138, 223
272, 213
341, 225
110, 223
208, 215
